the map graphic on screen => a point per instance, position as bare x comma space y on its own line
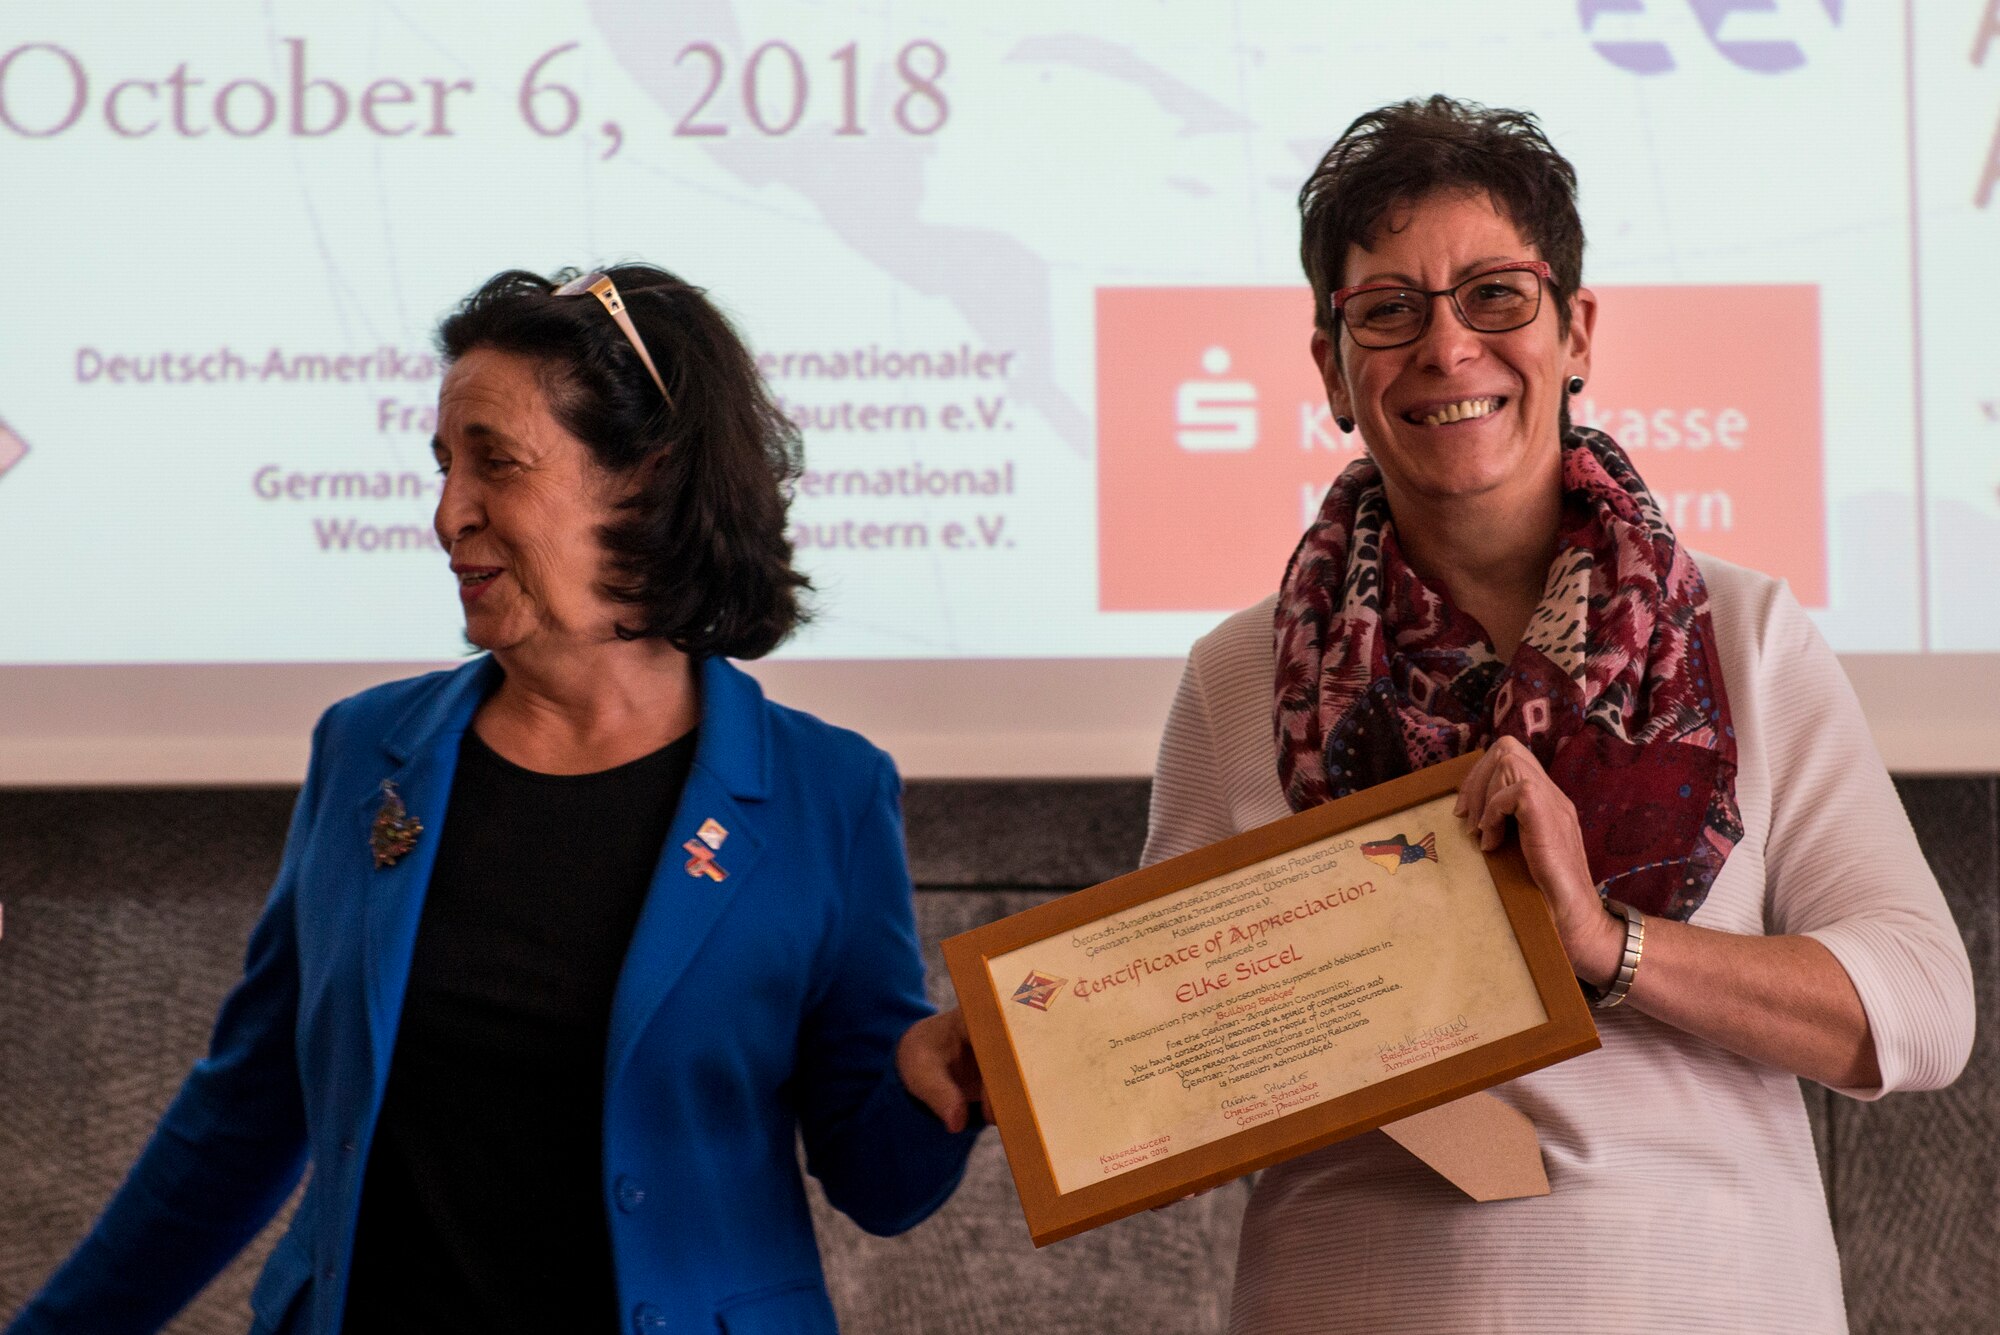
1027, 279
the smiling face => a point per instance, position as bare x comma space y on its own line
522, 505
1456, 414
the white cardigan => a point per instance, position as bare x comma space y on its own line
1685, 1195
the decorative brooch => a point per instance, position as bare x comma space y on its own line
702, 849
395, 830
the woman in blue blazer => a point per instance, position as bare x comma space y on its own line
571, 942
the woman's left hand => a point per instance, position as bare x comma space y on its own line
936, 1062
1509, 781
1783, 1001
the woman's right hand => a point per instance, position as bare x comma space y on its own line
935, 1060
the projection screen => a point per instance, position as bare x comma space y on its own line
1026, 277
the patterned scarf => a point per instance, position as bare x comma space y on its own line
1615, 687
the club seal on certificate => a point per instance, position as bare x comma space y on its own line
1299, 983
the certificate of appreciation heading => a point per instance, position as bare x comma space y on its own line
1276, 986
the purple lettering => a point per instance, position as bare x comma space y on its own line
302, 88
1990, 175
180, 83
111, 117
78, 83
389, 92
264, 95
439, 91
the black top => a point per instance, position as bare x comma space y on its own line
483, 1205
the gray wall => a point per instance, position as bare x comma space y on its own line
126, 913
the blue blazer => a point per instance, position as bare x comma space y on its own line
749, 1010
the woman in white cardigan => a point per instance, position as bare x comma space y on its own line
1686, 766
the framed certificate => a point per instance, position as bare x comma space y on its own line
1297, 984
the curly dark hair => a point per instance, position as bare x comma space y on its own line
1409, 151
700, 549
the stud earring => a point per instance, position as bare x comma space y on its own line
1346, 425
1576, 384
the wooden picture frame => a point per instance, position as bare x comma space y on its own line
1060, 1094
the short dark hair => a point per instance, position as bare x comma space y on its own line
1409, 151
699, 549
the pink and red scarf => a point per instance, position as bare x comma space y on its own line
1616, 686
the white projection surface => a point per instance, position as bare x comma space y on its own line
1026, 276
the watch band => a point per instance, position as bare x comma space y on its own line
1628, 964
